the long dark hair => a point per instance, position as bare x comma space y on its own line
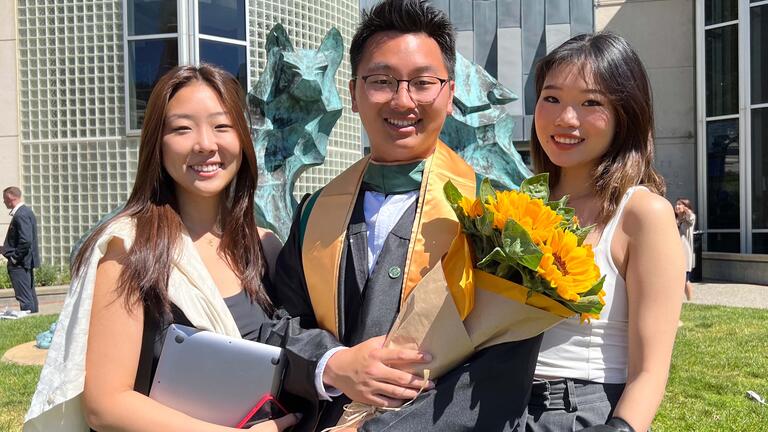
617, 70
153, 206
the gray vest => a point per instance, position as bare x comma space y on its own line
369, 304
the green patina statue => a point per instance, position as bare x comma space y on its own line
480, 128
294, 106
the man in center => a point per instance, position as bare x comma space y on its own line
359, 246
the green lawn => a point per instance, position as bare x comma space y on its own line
720, 354
17, 383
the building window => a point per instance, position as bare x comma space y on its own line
758, 52
160, 34
733, 98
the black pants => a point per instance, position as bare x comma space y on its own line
23, 281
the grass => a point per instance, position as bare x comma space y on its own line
18, 382
720, 353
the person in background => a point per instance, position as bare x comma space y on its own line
686, 220
184, 249
592, 132
20, 249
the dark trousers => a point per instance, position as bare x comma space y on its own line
23, 281
567, 405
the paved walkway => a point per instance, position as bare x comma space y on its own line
730, 294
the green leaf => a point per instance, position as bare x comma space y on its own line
582, 233
595, 288
518, 245
567, 213
537, 186
486, 190
496, 255
485, 224
452, 193
589, 304
557, 205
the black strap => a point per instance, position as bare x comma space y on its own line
143, 380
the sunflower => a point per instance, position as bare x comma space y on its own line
537, 219
473, 209
568, 267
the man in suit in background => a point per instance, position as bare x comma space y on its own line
20, 248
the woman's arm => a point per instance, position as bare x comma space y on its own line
114, 345
655, 275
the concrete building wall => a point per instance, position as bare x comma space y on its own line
9, 119
669, 57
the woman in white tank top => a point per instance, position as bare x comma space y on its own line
593, 133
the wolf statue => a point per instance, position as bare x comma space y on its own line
480, 128
293, 107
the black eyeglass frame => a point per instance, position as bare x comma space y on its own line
442, 81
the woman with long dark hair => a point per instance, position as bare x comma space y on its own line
593, 133
184, 249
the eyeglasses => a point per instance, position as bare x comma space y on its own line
422, 90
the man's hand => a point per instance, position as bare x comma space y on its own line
371, 374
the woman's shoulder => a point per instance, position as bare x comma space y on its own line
646, 209
117, 237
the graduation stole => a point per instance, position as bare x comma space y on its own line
434, 227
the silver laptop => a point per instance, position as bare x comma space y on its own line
213, 377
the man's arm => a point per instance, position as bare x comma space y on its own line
295, 325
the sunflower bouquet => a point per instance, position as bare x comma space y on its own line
517, 266
523, 237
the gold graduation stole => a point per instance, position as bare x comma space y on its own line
434, 228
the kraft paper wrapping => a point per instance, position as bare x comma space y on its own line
496, 311
430, 322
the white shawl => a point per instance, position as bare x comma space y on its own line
56, 403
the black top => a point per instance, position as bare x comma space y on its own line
248, 315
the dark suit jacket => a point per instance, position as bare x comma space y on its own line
20, 246
487, 393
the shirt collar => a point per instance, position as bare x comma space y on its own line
16, 208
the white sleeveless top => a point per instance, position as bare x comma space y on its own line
597, 351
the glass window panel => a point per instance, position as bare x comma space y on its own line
229, 57
722, 71
717, 11
148, 60
723, 242
760, 243
151, 17
723, 174
760, 168
758, 29
225, 18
